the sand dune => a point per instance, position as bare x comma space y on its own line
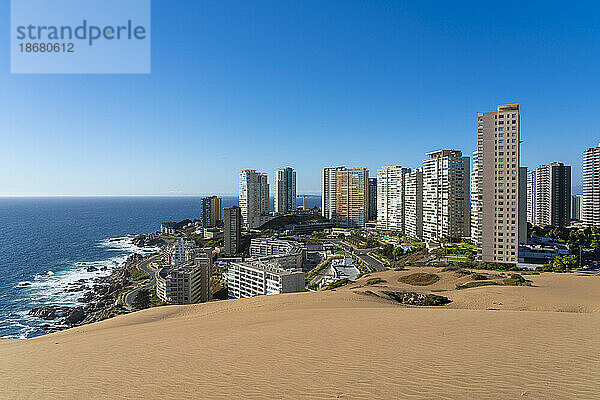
330, 345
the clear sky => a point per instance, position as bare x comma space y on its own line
309, 84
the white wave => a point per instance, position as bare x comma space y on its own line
125, 243
24, 331
48, 288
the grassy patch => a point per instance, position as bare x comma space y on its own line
415, 244
479, 277
417, 299
319, 268
476, 284
367, 293
363, 268
375, 281
138, 275
337, 284
516, 280
419, 279
513, 280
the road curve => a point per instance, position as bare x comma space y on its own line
131, 295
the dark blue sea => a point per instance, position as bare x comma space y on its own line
47, 243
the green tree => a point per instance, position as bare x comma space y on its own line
142, 299
388, 251
566, 262
397, 253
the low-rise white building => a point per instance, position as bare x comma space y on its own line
248, 279
168, 228
286, 254
180, 252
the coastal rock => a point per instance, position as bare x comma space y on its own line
51, 328
48, 313
148, 241
99, 297
44, 312
87, 297
91, 269
100, 289
133, 259
75, 316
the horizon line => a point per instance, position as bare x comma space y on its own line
135, 195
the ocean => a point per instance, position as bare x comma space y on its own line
48, 243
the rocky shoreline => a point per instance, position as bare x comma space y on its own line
151, 240
99, 297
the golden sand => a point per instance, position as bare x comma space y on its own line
495, 342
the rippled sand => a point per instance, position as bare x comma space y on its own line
538, 342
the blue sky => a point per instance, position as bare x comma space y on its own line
308, 84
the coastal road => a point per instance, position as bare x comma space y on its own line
367, 258
362, 254
144, 266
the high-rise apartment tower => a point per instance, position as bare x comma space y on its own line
254, 197
345, 194
285, 190
446, 209
499, 202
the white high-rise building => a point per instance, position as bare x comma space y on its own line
475, 205
413, 204
345, 194
500, 198
530, 200
391, 187
590, 207
180, 252
254, 197
446, 209
285, 190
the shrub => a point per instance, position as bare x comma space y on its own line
367, 293
374, 281
138, 275
419, 279
476, 284
516, 280
417, 299
479, 277
337, 284
497, 267
142, 299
